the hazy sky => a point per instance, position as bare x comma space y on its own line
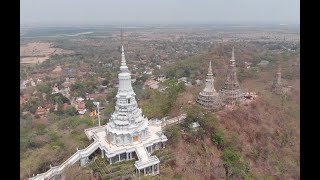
157, 11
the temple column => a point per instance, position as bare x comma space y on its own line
102, 153
144, 171
119, 157
110, 160
152, 169
158, 168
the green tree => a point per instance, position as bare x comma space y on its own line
234, 164
71, 111
44, 88
174, 134
89, 105
217, 138
32, 105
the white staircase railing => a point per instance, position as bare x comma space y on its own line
70, 161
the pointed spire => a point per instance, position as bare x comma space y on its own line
232, 53
279, 75
123, 58
123, 61
232, 58
210, 69
121, 36
123, 66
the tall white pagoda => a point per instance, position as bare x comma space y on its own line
209, 98
127, 124
128, 135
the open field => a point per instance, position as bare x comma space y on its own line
37, 52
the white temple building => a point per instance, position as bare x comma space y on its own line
128, 135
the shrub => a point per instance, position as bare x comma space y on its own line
199, 134
173, 134
71, 111
55, 139
217, 138
234, 164
40, 129
177, 177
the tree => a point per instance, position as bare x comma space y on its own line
40, 129
71, 111
217, 138
235, 166
105, 82
78, 88
32, 105
44, 88
58, 98
89, 105
173, 133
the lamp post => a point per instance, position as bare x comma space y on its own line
98, 113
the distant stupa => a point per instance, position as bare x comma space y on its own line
231, 91
277, 86
209, 98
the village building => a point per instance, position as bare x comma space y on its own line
194, 126
81, 107
161, 78
263, 63
40, 111
65, 106
89, 97
55, 89
247, 64
153, 84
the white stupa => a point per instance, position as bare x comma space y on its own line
127, 124
128, 135
209, 98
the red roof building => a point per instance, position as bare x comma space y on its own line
81, 106
40, 111
65, 106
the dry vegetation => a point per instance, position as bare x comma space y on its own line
195, 160
268, 135
53, 144
37, 52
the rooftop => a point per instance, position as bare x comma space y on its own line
99, 134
